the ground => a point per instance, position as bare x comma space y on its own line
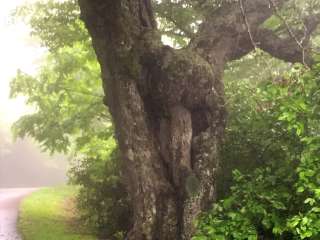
9, 204
50, 214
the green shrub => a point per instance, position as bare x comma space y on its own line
102, 200
273, 138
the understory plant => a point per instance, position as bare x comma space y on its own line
273, 146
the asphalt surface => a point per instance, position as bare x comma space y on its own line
10, 199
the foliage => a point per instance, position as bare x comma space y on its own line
66, 99
102, 198
279, 131
49, 214
55, 23
69, 115
249, 141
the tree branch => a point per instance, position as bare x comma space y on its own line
224, 33
295, 47
286, 49
254, 44
234, 30
302, 40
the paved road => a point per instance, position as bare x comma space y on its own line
9, 205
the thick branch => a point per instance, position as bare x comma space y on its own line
311, 23
234, 30
295, 47
224, 32
286, 49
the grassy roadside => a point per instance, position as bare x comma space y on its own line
49, 214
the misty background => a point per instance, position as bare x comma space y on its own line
22, 164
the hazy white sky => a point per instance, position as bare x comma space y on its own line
17, 51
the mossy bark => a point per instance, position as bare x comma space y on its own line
167, 106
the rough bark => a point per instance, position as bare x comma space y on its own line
168, 105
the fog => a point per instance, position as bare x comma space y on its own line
23, 165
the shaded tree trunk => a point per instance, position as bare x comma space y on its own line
168, 105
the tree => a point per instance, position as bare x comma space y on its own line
168, 104
65, 98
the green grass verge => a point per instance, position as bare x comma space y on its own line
49, 214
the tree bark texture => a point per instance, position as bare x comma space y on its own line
168, 105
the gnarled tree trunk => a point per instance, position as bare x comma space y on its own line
168, 105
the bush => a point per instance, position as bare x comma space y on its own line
102, 200
275, 132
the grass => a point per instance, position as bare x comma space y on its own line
49, 214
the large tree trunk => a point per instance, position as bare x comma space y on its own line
168, 107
